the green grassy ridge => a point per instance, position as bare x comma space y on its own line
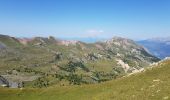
153, 84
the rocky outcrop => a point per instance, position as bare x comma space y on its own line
67, 43
9, 83
2, 46
3, 82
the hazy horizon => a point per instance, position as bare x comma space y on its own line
94, 19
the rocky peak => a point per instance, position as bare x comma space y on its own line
120, 41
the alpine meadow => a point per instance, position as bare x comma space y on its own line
84, 50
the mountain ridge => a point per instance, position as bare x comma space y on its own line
53, 61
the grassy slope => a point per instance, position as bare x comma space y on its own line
153, 84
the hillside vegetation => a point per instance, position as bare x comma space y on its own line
42, 62
152, 84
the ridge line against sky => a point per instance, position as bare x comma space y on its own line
134, 19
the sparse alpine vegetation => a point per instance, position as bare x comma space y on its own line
151, 84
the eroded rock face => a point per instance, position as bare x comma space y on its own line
15, 81
9, 83
3, 82
67, 43
125, 66
2, 46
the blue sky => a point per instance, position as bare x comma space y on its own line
135, 19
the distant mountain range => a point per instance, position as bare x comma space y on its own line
159, 47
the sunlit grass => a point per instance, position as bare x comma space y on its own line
152, 84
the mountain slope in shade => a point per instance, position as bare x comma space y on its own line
159, 47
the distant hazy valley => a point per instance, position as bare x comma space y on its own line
159, 47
